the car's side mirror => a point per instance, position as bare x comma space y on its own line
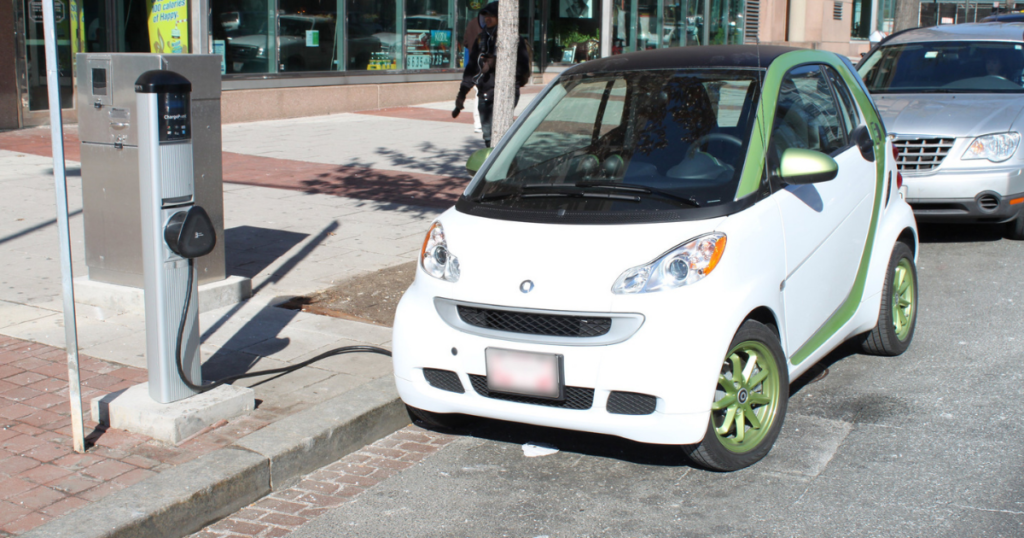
476, 160
862, 137
803, 166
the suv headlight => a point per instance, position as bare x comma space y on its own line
435, 258
684, 264
994, 147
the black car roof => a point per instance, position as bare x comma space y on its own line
743, 56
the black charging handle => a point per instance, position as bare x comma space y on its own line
190, 234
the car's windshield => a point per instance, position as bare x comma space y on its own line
946, 67
627, 142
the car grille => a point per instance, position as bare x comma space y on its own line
540, 324
444, 380
918, 155
575, 397
631, 403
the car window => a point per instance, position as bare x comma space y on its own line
807, 116
727, 100
681, 133
847, 107
946, 67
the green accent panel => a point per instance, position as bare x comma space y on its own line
476, 160
807, 166
753, 168
847, 309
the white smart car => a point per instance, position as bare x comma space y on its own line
658, 246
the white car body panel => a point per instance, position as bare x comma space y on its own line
676, 353
825, 226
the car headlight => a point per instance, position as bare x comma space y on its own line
994, 147
683, 265
260, 53
435, 258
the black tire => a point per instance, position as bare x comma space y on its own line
439, 421
884, 340
711, 453
1015, 228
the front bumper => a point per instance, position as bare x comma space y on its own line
650, 362
959, 195
986, 206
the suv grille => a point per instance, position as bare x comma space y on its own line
528, 323
921, 154
575, 397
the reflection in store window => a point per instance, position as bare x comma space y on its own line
371, 35
428, 34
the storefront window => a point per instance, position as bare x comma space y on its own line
574, 31
861, 25
372, 35
726, 22
307, 36
244, 30
428, 34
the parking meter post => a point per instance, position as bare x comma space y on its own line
60, 182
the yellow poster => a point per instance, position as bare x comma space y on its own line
168, 26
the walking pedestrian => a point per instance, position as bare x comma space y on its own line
473, 29
480, 70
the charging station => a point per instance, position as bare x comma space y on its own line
174, 232
174, 403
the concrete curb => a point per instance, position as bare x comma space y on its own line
185, 499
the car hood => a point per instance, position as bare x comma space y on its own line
948, 114
572, 267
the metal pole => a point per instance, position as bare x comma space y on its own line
59, 180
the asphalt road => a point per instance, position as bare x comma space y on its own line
926, 444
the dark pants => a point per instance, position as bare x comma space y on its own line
485, 105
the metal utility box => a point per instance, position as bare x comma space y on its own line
108, 129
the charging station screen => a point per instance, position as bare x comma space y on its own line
174, 120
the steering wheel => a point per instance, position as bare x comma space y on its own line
708, 138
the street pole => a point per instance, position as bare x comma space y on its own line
505, 68
60, 182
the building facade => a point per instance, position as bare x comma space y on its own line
287, 58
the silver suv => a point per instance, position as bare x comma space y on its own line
952, 96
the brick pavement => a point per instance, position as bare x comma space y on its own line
283, 511
41, 477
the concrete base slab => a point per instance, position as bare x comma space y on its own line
231, 290
133, 410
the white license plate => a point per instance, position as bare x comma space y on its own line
523, 372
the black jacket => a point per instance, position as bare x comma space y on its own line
480, 68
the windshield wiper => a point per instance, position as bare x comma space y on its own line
557, 193
636, 188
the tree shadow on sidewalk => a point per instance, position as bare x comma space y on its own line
438, 182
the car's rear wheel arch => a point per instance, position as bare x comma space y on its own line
909, 238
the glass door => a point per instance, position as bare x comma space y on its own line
34, 68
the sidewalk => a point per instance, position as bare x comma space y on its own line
308, 202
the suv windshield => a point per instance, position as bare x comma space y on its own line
947, 67
642, 141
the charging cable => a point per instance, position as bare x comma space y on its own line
229, 379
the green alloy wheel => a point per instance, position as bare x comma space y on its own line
903, 292
750, 402
897, 316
